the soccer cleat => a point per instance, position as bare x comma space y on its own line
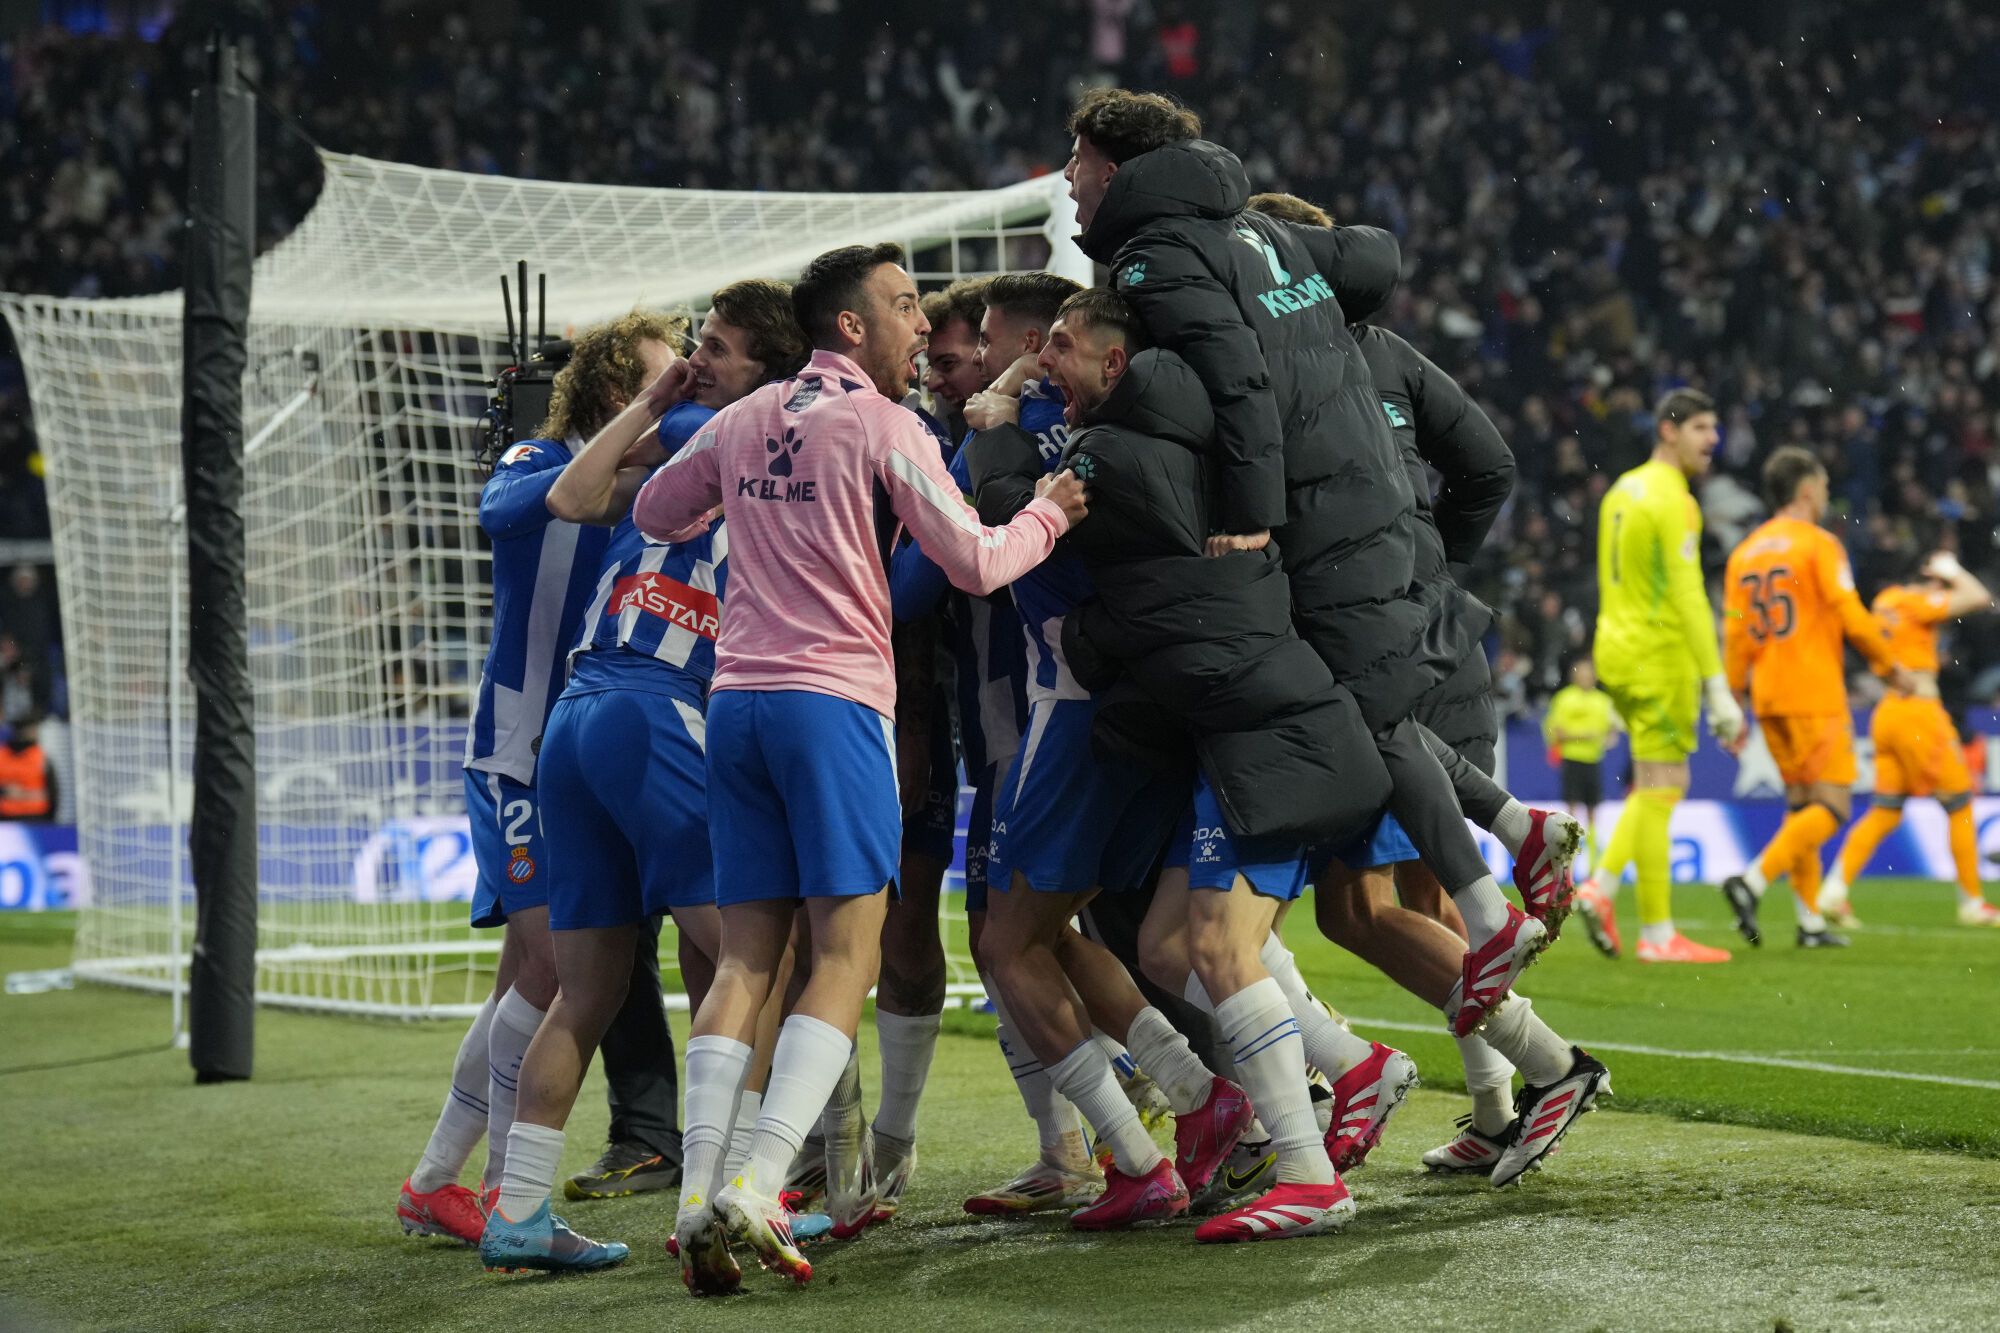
1838, 911
807, 1180
1543, 1115
1148, 1098
893, 1178
1679, 949
1204, 1136
1978, 912
707, 1266
1363, 1100
1600, 918
1541, 871
1130, 1200
1288, 1212
851, 1191
1470, 1151
1041, 1188
1251, 1168
544, 1242
452, 1211
1743, 901
1490, 970
625, 1168
766, 1227
1820, 939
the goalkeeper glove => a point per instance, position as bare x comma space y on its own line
1725, 715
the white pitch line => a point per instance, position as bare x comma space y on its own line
1726, 1057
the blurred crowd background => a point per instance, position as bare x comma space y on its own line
1794, 206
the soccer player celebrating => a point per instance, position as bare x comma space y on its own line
814, 475
543, 572
1789, 599
1917, 751
1657, 657
953, 371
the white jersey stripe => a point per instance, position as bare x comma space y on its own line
946, 502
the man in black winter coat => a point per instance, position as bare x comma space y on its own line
1304, 453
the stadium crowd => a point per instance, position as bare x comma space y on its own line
1593, 208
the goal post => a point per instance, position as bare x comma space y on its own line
374, 328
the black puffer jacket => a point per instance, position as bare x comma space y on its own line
1436, 425
1254, 306
1187, 648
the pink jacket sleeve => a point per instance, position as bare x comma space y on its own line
976, 558
681, 492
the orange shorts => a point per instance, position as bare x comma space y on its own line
1812, 749
1916, 749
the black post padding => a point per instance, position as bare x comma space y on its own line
222, 836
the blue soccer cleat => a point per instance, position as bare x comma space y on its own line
543, 1241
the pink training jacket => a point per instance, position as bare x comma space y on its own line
817, 476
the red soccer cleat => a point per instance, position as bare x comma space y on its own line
1490, 969
1130, 1200
1204, 1136
451, 1211
1541, 871
1363, 1100
1286, 1213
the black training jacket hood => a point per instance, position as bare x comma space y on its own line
1193, 179
1159, 396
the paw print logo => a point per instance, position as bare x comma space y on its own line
1084, 466
783, 450
1134, 274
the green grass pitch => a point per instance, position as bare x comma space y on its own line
1766, 1182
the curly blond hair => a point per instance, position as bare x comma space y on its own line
604, 368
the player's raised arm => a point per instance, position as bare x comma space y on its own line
601, 482
683, 491
976, 558
1964, 594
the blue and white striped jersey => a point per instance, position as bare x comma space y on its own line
543, 571
1051, 590
661, 602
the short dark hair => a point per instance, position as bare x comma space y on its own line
1290, 208
1102, 308
964, 301
1122, 124
832, 283
763, 310
1033, 296
1679, 406
1784, 470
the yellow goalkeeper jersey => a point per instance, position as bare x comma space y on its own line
1653, 617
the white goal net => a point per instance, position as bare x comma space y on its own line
374, 329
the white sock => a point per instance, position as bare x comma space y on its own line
1084, 1076
1512, 826
749, 1105
1122, 1063
1833, 891
1330, 1048
463, 1119
1263, 1038
1057, 1124
1516, 1031
908, 1042
1165, 1055
717, 1069
1964, 898
534, 1155
1658, 933
1753, 875
515, 1022
809, 1060
1808, 918
1489, 1078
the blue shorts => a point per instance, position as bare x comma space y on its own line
1384, 844
932, 830
621, 774
979, 838
801, 795
507, 846
1214, 856
1067, 821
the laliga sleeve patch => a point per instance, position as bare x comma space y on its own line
519, 453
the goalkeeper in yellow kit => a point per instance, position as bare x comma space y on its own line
1658, 659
